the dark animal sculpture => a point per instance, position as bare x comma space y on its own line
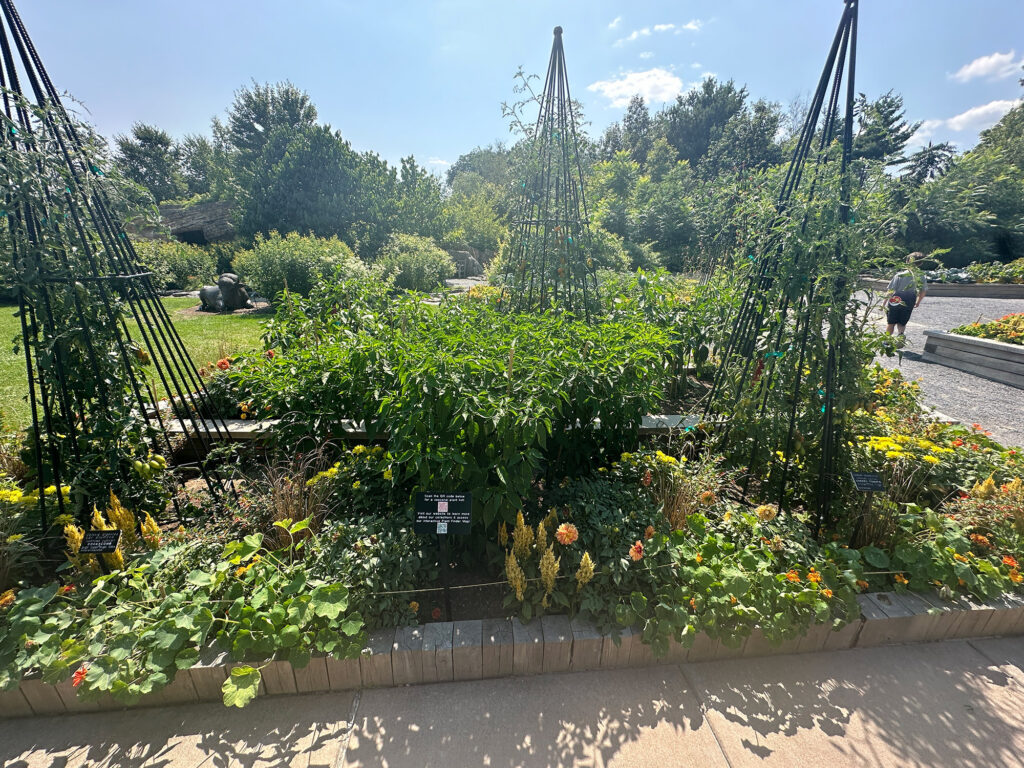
227, 295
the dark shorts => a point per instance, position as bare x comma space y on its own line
899, 307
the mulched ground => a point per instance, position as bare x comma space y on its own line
971, 399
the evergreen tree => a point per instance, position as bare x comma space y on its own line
699, 117
637, 130
149, 157
883, 131
929, 163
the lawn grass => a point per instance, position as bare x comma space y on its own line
207, 338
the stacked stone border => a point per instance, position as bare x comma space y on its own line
987, 358
491, 648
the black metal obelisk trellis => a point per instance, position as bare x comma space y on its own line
92, 324
549, 263
790, 309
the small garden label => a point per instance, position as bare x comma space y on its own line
100, 542
443, 513
868, 481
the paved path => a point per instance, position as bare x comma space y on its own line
956, 703
969, 398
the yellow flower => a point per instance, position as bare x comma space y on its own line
151, 532
985, 490
514, 574
123, 520
414, 607
388, 474
549, 569
931, 459
356, 485
542, 535
664, 458
7, 599
503, 534
585, 572
73, 535
827, 593
960, 557
894, 454
1015, 576
359, 450
766, 512
15, 537
522, 537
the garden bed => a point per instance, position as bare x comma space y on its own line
492, 648
995, 360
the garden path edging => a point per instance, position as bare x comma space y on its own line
491, 648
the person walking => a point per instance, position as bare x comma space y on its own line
906, 291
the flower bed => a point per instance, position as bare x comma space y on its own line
1008, 329
988, 358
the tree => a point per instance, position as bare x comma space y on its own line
929, 163
637, 130
420, 208
149, 157
747, 143
611, 142
699, 117
197, 163
883, 131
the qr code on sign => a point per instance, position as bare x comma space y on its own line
442, 506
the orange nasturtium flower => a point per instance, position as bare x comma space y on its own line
1010, 561
636, 552
814, 576
793, 576
566, 534
827, 593
862, 584
900, 578
1015, 576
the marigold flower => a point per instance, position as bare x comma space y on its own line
566, 534
79, 676
585, 572
7, 598
899, 578
649, 532
1015, 576
414, 606
814, 576
827, 593
636, 552
708, 498
1010, 561
793, 576
766, 512
223, 364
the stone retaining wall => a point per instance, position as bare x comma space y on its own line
489, 648
995, 360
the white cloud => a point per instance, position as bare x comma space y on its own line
615, 22
925, 132
646, 54
693, 25
636, 34
994, 66
982, 116
664, 27
655, 85
706, 75
437, 161
696, 65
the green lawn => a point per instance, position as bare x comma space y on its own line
207, 338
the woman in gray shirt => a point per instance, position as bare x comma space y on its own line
906, 291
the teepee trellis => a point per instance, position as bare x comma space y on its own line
91, 321
549, 263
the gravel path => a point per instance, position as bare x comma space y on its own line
971, 399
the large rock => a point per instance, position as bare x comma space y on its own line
199, 223
466, 264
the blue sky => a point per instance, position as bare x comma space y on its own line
427, 78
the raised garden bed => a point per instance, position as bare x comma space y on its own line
995, 360
971, 290
490, 648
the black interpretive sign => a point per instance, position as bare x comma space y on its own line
443, 513
868, 481
99, 542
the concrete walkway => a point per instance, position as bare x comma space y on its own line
956, 703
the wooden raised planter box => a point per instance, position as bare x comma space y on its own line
995, 360
479, 649
965, 290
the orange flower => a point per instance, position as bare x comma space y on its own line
814, 576
793, 576
708, 497
958, 442
862, 584
636, 552
1015, 576
1007, 560
827, 593
699, 558
79, 676
981, 541
900, 578
649, 533
7, 598
566, 534
960, 557
732, 600
269, 354
693, 603
223, 363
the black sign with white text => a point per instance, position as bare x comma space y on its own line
443, 513
99, 542
867, 481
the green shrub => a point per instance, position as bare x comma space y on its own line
176, 266
296, 262
996, 272
415, 263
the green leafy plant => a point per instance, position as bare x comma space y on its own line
295, 262
415, 263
